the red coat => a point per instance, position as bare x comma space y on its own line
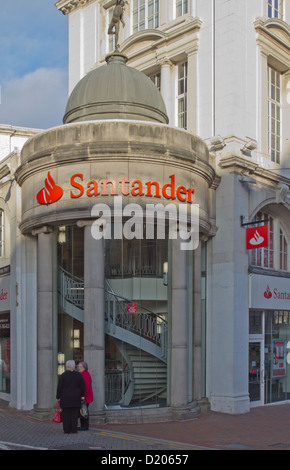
89, 397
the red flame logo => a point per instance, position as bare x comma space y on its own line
268, 293
51, 193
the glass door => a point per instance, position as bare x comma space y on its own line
256, 373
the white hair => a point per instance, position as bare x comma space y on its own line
70, 365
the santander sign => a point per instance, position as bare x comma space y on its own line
51, 192
276, 294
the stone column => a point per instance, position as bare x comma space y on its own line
197, 326
45, 323
192, 87
166, 88
94, 317
179, 327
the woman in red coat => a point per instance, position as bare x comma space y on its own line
83, 369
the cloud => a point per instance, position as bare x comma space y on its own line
33, 34
35, 100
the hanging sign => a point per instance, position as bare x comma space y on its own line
257, 237
132, 307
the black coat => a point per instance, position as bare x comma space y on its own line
70, 389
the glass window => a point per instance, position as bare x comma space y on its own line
136, 319
70, 252
264, 257
275, 9
5, 352
156, 79
145, 14
182, 96
277, 356
274, 115
255, 323
181, 7
275, 256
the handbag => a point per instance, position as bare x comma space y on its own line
57, 416
84, 410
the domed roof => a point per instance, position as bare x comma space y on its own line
115, 91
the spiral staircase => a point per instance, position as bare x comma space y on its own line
141, 339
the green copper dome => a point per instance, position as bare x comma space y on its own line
115, 91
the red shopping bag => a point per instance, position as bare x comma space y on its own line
57, 416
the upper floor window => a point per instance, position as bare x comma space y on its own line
274, 114
275, 9
156, 79
1, 233
181, 7
182, 96
145, 14
275, 256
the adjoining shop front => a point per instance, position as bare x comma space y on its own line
269, 343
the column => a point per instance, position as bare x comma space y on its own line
197, 326
94, 317
45, 323
192, 96
166, 88
179, 327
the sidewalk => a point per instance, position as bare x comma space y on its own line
265, 428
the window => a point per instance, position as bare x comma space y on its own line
274, 114
181, 7
275, 9
156, 79
182, 96
275, 256
145, 14
1, 233
283, 252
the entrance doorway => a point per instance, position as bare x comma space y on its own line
269, 357
256, 373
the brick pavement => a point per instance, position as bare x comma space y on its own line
265, 428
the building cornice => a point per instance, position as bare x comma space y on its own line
273, 38
246, 166
67, 6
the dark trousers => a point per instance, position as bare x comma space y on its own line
70, 420
85, 421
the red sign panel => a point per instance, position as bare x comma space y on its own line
132, 307
257, 237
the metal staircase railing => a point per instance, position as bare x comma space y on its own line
144, 330
146, 325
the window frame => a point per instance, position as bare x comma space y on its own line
275, 123
275, 9
276, 256
181, 95
144, 23
183, 6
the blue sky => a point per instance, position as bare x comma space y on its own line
33, 63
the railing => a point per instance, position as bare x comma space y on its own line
71, 288
116, 384
145, 323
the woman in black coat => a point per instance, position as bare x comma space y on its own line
70, 392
